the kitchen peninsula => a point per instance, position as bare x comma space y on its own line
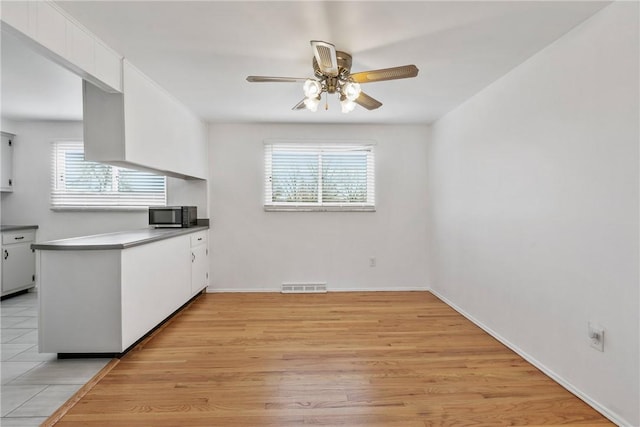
100, 294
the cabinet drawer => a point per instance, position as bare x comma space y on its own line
199, 238
21, 236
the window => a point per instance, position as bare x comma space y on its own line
78, 183
319, 176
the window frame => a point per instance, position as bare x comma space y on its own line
319, 146
102, 200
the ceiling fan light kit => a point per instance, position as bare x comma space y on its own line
332, 71
311, 103
312, 88
347, 105
351, 90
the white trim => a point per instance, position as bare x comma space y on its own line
318, 141
211, 290
329, 289
617, 419
324, 208
99, 208
383, 289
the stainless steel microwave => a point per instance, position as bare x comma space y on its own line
173, 216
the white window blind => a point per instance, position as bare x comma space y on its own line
319, 176
83, 184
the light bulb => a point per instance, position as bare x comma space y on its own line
347, 105
351, 90
312, 103
312, 88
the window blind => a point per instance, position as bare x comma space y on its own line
319, 176
80, 183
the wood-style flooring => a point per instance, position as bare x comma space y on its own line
351, 359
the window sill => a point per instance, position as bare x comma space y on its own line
99, 208
272, 208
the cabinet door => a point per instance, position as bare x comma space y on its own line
6, 165
199, 268
80, 48
51, 28
19, 15
18, 267
108, 66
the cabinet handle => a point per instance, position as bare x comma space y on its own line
18, 238
193, 257
6, 254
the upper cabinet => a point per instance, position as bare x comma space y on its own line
50, 31
6, 162
143, 128
129, 120
21, 15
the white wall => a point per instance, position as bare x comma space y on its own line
256, 250
7, 125
29, 202
533, 187
188, 192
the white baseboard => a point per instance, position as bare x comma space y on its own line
383, 289
615, 418
329, 289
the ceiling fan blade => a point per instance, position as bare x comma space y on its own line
260, 79
394, 73
326, 57
367, 102
299, 106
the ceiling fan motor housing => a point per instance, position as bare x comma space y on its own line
333, 83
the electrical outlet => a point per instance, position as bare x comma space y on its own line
372, 261
596, 337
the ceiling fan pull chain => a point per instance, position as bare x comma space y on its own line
326, 102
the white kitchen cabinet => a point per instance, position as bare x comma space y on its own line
81, 47
155, 283
103, 301
48, 29
143, 128
6, 162
18, 261
199, 262
51, 28
20, 15
108, 65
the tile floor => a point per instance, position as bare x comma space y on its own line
34, 384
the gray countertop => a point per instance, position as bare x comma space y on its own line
119, 240
17, 227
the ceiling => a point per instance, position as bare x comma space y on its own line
202, 51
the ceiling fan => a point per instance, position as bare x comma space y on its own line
332, 70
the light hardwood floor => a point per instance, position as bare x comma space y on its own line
352, 359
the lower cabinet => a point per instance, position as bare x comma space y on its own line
103, 301
199, 262
18, 261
